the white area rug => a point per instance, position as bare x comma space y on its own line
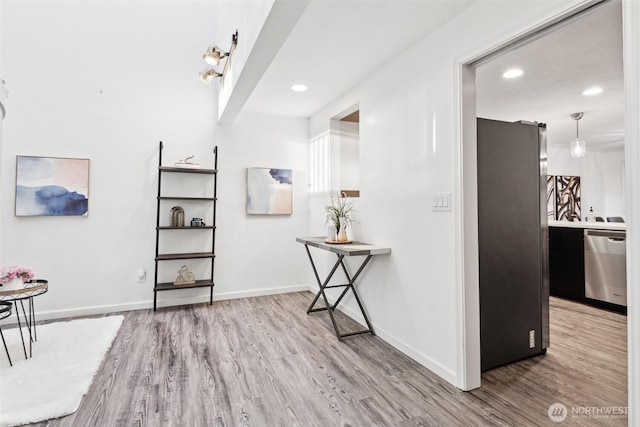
51, 384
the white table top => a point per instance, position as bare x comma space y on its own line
346, 249
621, 226
30, 289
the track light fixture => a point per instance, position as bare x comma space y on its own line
213, 55
208, 75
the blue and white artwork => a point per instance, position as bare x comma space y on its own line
51, 186
269, 191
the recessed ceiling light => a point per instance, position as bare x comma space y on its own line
595, 90
299, 87
512, 73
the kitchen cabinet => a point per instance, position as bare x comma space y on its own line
566, 263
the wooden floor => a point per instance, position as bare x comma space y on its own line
264, 362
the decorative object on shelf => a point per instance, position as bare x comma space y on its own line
51, 186
578, 146
12, 285
213, 55
13, 277
331, 233
342, 234
338, 214
185, 277
590, 216
197, 222
176, 217
269, 191
186, 163
336, 242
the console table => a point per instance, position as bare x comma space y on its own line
341, 251
31, 288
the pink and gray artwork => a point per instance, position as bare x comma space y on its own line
51, 186
269, 191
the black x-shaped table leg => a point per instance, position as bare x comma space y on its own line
325, 285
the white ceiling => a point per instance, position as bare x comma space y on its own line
585, 51
335, 44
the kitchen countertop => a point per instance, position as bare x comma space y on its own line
594, 225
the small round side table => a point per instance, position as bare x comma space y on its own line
31, 289
5, 311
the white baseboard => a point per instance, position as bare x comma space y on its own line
260, 292
84, 311
168, 301
434, 366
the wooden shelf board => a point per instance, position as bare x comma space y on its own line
190, 255
188, 170
196, 199
206, 227
170, 286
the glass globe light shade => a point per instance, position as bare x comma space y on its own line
578, 148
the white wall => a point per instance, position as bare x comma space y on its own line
116, 78
0, 33
600, 177
614, 184
407, 153
349, 156
2, 107
259, 254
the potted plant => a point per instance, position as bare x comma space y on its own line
15, 276
338, 213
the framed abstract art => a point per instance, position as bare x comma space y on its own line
269, 191
51, 186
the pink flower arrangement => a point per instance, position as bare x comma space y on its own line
16, 272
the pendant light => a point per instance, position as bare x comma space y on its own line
578, 146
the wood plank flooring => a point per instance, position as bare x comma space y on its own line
265, 362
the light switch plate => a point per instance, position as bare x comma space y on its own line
441, 202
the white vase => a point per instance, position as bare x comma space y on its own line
342, 233
12, 285
331, 232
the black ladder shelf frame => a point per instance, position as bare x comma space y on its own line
158, 287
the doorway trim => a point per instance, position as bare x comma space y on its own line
466, 225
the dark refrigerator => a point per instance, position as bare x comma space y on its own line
513, 241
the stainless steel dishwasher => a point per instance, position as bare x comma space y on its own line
605, 266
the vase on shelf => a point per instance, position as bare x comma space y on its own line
331, 233
342, 233
13, 284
